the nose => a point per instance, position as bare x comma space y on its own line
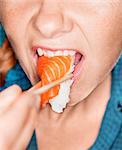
52, 25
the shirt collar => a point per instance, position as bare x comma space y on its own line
116, 88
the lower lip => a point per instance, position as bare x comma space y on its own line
78, 68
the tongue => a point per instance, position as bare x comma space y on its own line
78, 57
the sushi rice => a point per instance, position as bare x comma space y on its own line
58, 103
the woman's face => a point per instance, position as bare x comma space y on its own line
91, 27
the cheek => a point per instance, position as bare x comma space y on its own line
15, 19
15, 28
94, 72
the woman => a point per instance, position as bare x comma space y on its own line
92, 118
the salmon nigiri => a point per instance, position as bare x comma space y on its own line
50, 69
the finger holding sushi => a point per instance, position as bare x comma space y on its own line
18, 113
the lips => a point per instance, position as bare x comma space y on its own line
78, 61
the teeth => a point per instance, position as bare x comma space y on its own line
50, 53
40, 51
56, 53
45, 53
72, 53
65, 53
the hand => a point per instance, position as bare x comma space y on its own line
18, 113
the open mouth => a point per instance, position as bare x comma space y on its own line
53, 64
77, 57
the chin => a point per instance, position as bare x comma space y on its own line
80, 93
74, 100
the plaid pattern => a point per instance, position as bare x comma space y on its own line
110, 134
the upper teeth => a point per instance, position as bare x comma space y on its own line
56, 53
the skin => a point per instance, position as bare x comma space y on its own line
94, 28
18, 112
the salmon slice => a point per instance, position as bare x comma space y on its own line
50, 69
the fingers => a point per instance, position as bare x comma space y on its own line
20, 115
26, 134
36, 100
20, 112
9, 95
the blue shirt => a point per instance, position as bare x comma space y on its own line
17, 76
110, 133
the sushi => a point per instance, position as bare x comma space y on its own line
50, 69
